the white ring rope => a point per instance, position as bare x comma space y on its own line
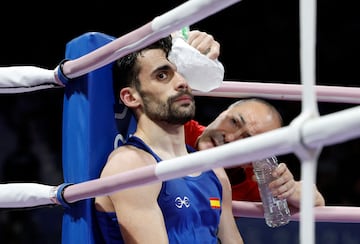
329, 214
279, 141
184, 15
234, 153
287, 92
21, 195
308, 155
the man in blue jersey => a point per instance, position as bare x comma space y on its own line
193, 209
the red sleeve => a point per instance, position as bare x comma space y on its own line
246, 190
192, 131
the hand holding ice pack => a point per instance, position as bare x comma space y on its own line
201, 72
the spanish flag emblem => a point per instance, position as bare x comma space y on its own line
214, 202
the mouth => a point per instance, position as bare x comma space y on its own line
184, 99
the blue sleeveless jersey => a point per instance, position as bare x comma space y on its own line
191, 207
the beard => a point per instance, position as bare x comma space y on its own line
169, 111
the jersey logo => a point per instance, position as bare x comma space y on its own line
214, 202
179, 203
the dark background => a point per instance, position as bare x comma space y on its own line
259, 42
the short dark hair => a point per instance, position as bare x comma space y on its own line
125, 71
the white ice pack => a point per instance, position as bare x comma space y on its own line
202, 73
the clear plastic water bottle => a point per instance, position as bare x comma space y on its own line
276, 211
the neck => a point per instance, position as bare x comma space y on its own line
167, 140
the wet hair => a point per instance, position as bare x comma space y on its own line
259, 100
125, 70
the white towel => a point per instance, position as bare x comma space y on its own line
202, 73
